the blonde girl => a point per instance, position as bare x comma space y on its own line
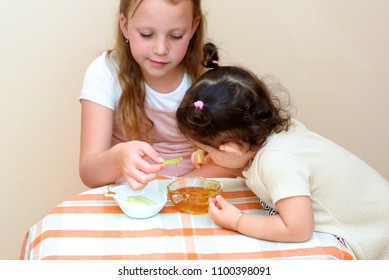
130, 95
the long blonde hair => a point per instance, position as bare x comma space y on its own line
131, 106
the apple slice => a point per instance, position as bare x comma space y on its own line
172, 161
140, 200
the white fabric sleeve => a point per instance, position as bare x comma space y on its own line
100, 84
285, 175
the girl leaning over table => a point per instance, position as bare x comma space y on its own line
306, 182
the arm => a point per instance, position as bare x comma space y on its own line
294, 223
101, 164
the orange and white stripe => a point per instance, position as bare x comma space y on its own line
90, 226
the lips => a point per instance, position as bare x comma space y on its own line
156, 63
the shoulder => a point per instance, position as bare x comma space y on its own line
102, 71
275, 175
100, 83
273, 163
104, 63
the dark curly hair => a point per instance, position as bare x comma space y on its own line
238, 107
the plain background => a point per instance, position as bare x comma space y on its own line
331, 55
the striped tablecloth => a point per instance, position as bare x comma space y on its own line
90, 226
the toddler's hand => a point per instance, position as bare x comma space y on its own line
199, 158
222, 212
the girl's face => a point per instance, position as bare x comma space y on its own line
159, 33
229, 155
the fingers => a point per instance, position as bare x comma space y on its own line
194, 159
137, 179
207, 159
135, 169
212, 205
200, 158
221, 211
140, 174
221, 202
138, 185
214, 208
147, 150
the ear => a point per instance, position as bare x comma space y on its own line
123, 25
195, 25
231, 147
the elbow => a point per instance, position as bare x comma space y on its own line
90, 185
87, 180
302, 230
92, 180
304, 237
301, 234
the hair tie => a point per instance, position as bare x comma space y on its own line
215, 62
199, 105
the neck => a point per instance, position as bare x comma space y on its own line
236, 171
166, 83
239, 171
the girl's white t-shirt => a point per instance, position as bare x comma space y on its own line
101, 86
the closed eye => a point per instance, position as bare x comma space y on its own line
146, 36
176, 37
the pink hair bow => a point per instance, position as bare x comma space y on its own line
199, 105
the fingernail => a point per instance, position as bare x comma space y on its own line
160, 160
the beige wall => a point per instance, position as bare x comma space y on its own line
331, 55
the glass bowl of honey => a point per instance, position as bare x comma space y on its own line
191, 194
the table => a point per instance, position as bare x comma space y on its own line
90, 226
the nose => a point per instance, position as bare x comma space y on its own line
160, 47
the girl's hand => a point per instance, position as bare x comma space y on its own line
199, 158
137, 171
294, 223
223, 212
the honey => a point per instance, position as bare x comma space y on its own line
192, 199
191, 194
